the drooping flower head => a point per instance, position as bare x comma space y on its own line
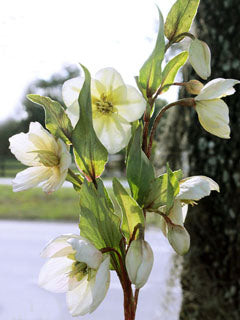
191, 190
139, 262
77, 268
212, 110
114, 106
48, 158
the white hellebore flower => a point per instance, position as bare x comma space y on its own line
48, 158
77, 268
200, 58
139, 262
114, 106
212, 110
191, 189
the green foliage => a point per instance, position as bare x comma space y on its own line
90, 154
180, 18
140, 171
98, 223
163, 190
151, 72
56, 120
171, 69
132, 214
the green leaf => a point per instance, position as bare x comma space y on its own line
98, 223
172, 68
180, 18
57, 121
90, 155
132, 214
140, 171
163, 190
150, 75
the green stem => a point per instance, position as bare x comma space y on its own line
74, 176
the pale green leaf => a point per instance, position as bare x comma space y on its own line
180, 18
150, 75
56, 120
90, 155
132, 214
98, 223
171, 69
163, 190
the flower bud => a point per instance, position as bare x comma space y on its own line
200, 58
193, 86
178, 238
139, 262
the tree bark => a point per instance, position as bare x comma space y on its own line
210, 277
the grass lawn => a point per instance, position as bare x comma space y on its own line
34, 204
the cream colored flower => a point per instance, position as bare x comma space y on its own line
139, 262
48, 158
200, 58
213, 111
114, 106
77, 268
191, 190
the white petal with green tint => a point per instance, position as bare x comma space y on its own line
214, 117
80, 299
86, 252
113, 131
30, 178
110, 79
217, 88
196, 187
133, 107
101, 285
54, 274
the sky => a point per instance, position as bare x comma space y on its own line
37, 38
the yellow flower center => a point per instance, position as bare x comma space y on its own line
104, 106
47, 158
79, 270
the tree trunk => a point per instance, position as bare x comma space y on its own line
211, 270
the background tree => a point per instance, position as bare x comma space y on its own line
51, 88
210, 277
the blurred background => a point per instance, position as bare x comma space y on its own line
41, 44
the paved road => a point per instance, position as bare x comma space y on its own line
22, 299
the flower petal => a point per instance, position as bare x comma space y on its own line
57, 245
145, 268
101, 285
110, 79
70, 92
200, 58
30, 178
64, 155
54, 274
86, 252
22, 148
213, 116
55, 181
80, 299
176, 214
71, 89
217, 88
132, 107
113, 131
196, 187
